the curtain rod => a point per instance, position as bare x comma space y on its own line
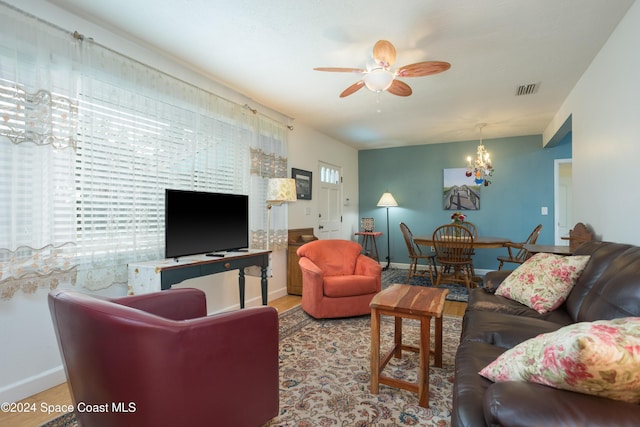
80, 37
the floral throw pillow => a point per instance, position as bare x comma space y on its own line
601, 358
543, 281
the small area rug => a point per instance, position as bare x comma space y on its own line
324, 375
457, 292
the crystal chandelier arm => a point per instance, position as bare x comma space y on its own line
481, 168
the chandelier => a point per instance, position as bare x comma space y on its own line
481, 168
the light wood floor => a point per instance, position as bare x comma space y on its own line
59, 395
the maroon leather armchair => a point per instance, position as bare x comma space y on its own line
157, 359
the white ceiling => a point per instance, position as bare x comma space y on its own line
267, 50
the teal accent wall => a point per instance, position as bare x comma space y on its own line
510, 207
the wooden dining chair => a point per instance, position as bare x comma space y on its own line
472, 228
416, 255
579, 235
517, 254
454, 249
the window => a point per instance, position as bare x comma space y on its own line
89, 140
329, 175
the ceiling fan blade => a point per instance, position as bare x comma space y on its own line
384, 53
353, 88
340, 70
399, 88
423, 69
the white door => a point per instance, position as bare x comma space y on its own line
563, 215
329, 202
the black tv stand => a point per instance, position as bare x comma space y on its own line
216, 255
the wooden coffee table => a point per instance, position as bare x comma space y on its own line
411, 302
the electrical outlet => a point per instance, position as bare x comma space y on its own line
433, 249
544, 210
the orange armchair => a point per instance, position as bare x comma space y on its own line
337, 279
157, 359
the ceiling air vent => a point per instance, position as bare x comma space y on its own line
529, 89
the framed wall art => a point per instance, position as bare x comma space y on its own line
303, 183
459, 191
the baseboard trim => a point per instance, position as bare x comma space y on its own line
33, 385
253, 302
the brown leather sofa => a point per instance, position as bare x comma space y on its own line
158, 360
608, 288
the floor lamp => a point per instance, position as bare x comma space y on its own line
387, 201
279, 191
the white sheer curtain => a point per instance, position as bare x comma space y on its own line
116, 134
38, 119
268, 160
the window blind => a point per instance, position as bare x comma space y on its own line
90, 139
131, 147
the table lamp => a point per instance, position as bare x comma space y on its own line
387, 201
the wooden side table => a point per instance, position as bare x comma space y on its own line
369, 245
411, 302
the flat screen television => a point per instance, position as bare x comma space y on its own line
199, 222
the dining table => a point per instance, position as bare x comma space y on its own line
480, 242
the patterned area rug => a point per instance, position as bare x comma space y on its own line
66, 420
457, 292
324, 375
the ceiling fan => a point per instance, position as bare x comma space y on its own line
378, 75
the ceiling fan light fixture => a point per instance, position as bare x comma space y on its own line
378, 77
378, 80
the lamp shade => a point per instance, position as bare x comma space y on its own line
387, 200
281, 190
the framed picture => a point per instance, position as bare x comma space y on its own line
303, 183
459, 191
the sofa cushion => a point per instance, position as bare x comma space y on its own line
492, 280
346, 286
601, 358
516, 403
504, 330
617, 292
468, 385
479, 300
543, 281
602, 255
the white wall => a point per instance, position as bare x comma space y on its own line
306, 148
29, 360
605, 111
